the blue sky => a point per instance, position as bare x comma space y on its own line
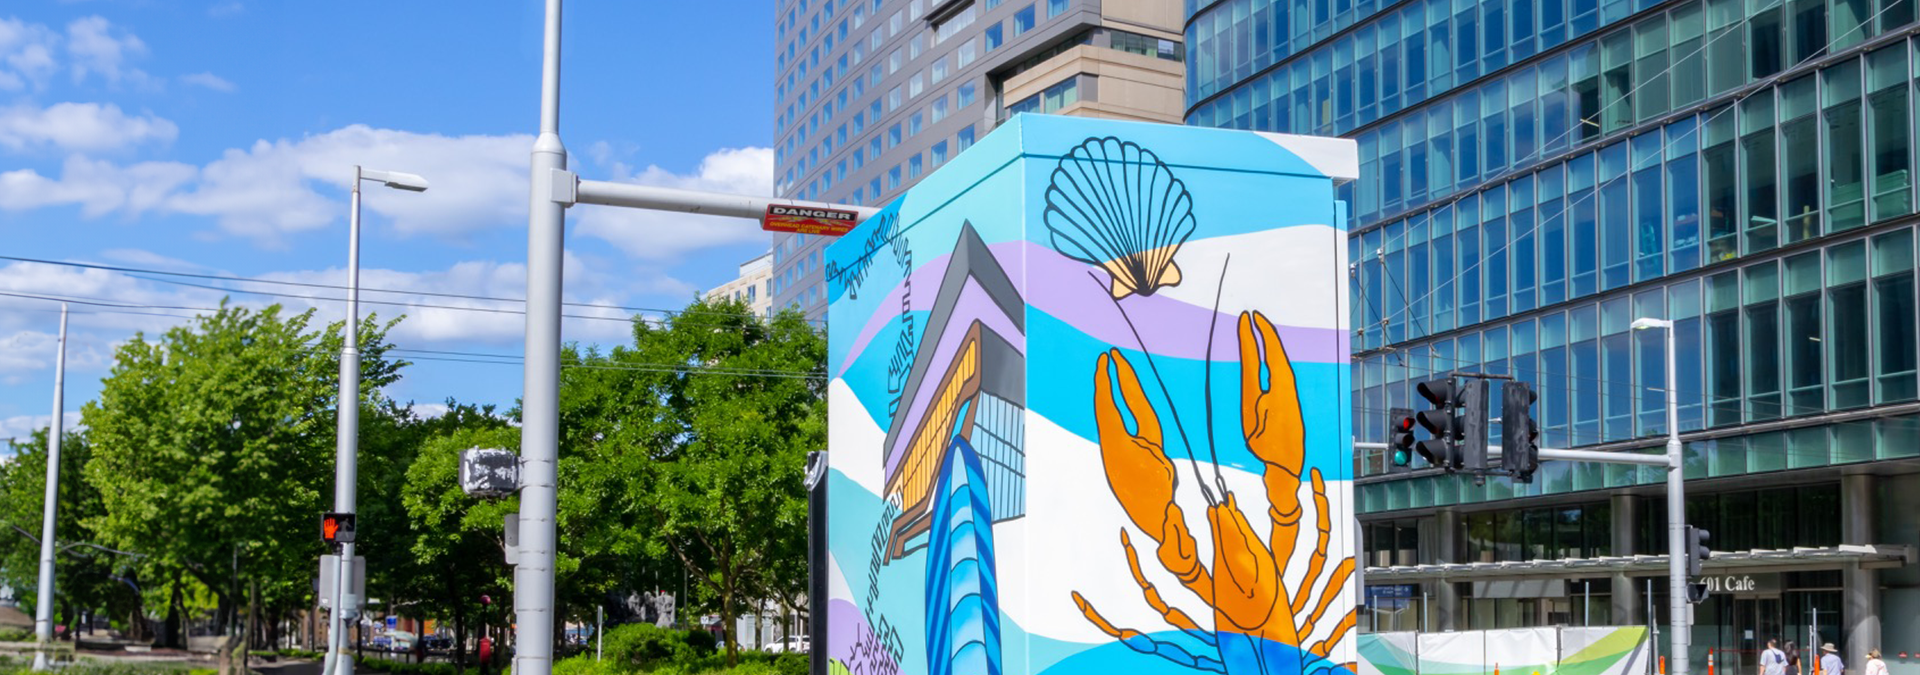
217, 137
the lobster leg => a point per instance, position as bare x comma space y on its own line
1173, 615
1145, 644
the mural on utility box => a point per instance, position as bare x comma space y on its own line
1079, 341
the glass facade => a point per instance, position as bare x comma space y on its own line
1536, 175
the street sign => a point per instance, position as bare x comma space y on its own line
808, 220
489, 472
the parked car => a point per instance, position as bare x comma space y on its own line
438, 643
795, 644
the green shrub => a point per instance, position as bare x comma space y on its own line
585, 665
646, 647
16, 635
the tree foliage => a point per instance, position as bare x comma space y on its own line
213, 445
699, 432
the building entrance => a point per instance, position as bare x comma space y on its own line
1735, 623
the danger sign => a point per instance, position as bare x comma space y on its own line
808, 220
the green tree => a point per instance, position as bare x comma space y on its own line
213, 447
699, 433
87, 576
456, 541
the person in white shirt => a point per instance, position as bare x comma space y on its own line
1773, 661
1875, 666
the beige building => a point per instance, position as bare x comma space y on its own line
872, 95
750, 287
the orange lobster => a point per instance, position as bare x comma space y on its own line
1258, 623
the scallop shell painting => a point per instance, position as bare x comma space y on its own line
1114, 204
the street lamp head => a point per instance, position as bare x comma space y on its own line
1645, 323
396, 179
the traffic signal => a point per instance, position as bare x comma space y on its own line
336, 528
1399, 440
1697, 551
1519, 436
1441, 449
1471, 427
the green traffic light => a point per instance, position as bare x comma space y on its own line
1400, 458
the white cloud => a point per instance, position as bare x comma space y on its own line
208, 80
26, 54
275, 188
98, 49
21, 427
659, 235
89, 127
224, 9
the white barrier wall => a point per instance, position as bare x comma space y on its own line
1612, 650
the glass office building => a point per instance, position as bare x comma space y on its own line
1538, 174
873, 94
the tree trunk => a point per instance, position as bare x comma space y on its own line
176, 605
727, 619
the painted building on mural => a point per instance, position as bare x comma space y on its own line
1088, 409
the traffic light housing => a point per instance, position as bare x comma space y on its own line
1519, 435
1399, 440
1441, 449
337, 528
1471, 426
1697, 551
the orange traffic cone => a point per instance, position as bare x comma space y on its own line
1663, 665
1709, 662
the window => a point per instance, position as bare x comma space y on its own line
1023, 20
1847, 336
894, 61
1726, 57
1683, 196
1802, 339
914, 123
893, 99
1615, 209
915, 85
1583, 259
1893, 317
965, 93
939, 69
1800, 155
913, 166
893, 177
1722, 195
939, 109
939, 153
1649, 244
1724, 365
1761, 196
1761, 291
965, 139
1056, 7
1846, 159
1061, 95
893, 136
966, 53
992, 37
1888, 134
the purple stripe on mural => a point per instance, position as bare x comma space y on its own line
1169, 334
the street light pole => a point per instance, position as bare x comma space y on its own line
43, 612
540, 403
347, 436
1678, 608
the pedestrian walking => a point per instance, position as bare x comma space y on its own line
1875, 666
1830, 663
1793, 658
1773, 661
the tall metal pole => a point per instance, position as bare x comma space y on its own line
347, 445
43, 611
1679, 632
540, 408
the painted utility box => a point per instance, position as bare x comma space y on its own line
1089, 410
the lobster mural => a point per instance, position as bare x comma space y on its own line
1258, 622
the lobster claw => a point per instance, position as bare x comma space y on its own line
1138, 471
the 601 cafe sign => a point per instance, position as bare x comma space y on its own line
1743, 584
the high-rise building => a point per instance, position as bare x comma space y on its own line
873, 94
750, 287
1537, 174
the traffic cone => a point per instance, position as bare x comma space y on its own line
1709, 662
1663, 665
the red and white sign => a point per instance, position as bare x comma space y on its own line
808, 220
